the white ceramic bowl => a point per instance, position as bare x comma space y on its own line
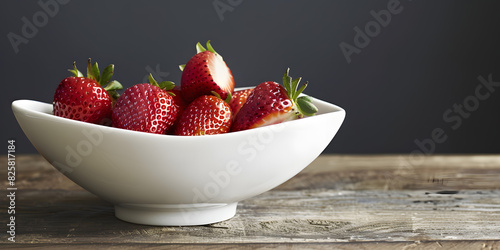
176, 180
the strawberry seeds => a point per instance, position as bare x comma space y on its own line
205, 103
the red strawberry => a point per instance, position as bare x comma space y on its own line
238, 99
180, 103
146, 107
206, 72
270, 103
83, 99
206, 115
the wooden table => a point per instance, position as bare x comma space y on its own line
343, 202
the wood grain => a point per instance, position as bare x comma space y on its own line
343, 202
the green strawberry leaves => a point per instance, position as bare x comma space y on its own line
103, 79
165, 85
211, 49
304, 103
305, 106
95, 71
112, 87
199, 49
75, 71
228, 98
106, 75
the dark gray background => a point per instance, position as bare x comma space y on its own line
395, 91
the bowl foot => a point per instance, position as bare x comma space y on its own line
175, 215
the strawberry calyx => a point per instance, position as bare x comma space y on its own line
104, 79
304, 103
228, 98
75, 71
165, 85
200, 49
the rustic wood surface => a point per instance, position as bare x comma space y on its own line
338, 202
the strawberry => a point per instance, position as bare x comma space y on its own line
146, 107
180, 103
83, 98
271, 103
206, 115
206, 72
238, 99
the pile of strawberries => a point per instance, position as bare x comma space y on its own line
205, 103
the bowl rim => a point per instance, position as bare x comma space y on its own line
44, 110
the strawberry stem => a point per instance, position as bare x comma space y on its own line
89, 71
75, 71
93, 72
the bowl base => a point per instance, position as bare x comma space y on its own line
175, 215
